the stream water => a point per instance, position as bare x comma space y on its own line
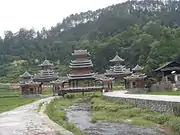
80, 115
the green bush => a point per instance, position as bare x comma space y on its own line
174, 123
157, 118
57, 114
70, 96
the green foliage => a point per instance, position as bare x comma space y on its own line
39, 108
11, 103
174, 123
47, 92
165, 93
10, 98
143, 32
7, 92
158, 118
104, 109
56, 113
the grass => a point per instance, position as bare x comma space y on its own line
112, 111
118, 87
10, 98
7, 92
11, 103
39, 108
177, 93
47, 92
56, 112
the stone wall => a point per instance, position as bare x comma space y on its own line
163, 86
153, 105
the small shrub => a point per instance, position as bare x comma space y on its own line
59, 115
40, 105
157, 118
70, 96
93, 120
174, 123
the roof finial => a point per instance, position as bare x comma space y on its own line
116, 53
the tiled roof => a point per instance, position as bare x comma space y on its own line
137, 68
117, 59
80, 52
46, 63
26, 74
136, 76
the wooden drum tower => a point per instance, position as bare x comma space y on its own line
81, 69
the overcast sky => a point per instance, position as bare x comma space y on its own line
16, 14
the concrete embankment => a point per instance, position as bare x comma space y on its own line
158, 103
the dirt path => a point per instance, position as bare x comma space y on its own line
26, 120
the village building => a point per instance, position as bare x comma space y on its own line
169, 72
81, 69
59, 84
105, 82
81, 77
136, 80
118, 70
46, 73
28, 86
169, 77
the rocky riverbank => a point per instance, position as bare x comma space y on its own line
81, 115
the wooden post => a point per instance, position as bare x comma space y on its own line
69, 83
73, 83
62, 85
35, 90
88, 82
76, 83
103, 84
53, 88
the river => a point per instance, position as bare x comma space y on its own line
80, 115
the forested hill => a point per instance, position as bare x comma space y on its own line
144, 32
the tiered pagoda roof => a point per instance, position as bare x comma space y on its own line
60, 80
78, 65
137, 68
26, 75
81, 64
28, 81
81, 76
137, 73
102, 77
46, 73
80, 52
117, 59
46, 63
118, 69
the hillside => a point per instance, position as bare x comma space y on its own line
144, 32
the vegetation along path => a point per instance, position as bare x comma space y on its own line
26, 120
